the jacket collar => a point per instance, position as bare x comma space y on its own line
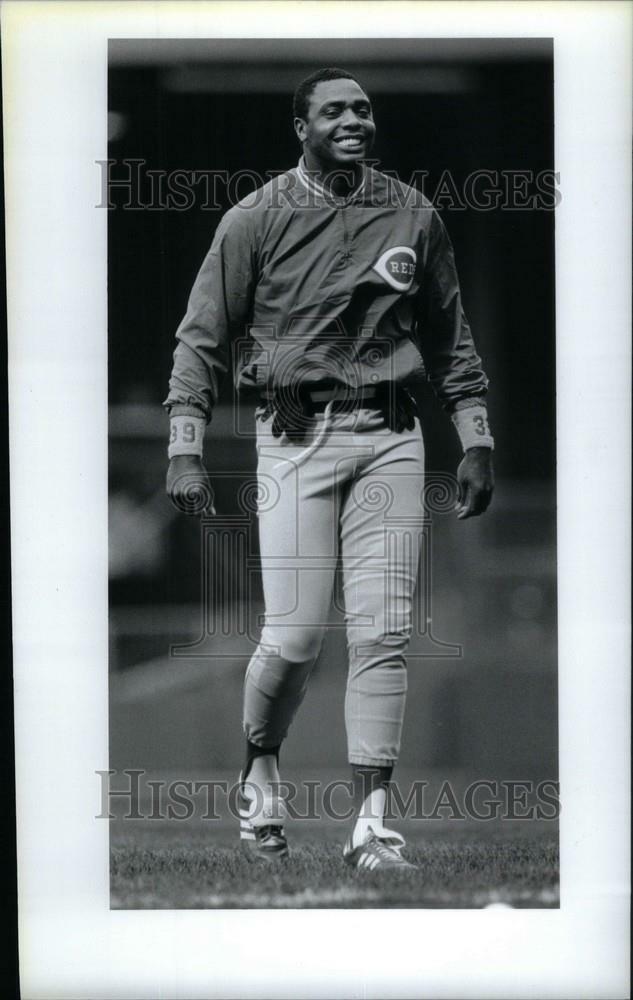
316, 188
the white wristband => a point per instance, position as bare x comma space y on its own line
186, 435
471, 423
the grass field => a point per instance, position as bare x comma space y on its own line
197, 864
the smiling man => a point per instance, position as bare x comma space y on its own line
340, 286
334, 123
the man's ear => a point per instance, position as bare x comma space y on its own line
300, 129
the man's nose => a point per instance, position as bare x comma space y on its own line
350, 119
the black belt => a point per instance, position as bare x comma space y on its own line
293, 405
343, 398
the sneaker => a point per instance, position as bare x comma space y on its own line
261, 825
378, 852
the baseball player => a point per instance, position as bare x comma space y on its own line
341, 283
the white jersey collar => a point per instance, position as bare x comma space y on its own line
315, 187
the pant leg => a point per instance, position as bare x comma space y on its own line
381, 536
298, 532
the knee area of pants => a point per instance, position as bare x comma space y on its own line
302, 647
363, 642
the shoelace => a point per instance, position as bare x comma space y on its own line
385, 851
266, 832
303, 455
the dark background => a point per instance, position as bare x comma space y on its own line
439, 105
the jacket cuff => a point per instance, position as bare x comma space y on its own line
466, 402
186, 410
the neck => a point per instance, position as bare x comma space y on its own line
341, 181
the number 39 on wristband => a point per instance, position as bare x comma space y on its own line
186, 435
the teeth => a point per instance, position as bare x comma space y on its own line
349, 142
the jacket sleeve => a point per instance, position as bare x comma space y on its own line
219, 308
452, 364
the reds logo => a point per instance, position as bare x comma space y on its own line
397, 267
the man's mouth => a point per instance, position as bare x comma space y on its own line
350, 141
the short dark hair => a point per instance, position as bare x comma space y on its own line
301, 99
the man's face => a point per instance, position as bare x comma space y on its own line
339, 129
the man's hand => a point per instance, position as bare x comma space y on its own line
476, 482
188, 485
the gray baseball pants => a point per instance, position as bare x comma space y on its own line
350, 494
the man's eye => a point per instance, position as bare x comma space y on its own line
332, 112
364, 112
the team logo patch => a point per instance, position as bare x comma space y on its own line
397, 267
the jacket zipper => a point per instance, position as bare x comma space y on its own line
346, 251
